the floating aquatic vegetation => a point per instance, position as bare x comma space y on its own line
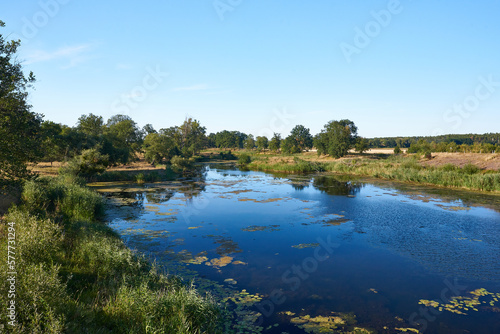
220, 262
166, 213
255, 228
453, 208
319, 324
237, 192
463, 304
373, 290
240, 262
336, 222
230, 281
301, 246
194, 227
336, 322
407, 330
269, 200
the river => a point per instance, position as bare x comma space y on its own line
316, 253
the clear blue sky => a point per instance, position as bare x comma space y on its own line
425, 67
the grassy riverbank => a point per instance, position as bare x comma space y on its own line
400, 168
75, 275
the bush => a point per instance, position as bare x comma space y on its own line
470, 169
428, 155
449, 168
180, 164
48, 197
397, 150
86, 165
244, 159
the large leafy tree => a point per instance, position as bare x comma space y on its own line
159, 146
122, 139
249, 142
91, 125
262, 143
19, 126
337, 138
302, 138
192, 137
275, 142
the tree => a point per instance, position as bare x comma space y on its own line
159, 146
249, 143
91, 125
19, 126
123, 139
52, 142
302, 139
289, 146
147, 129
337, 138
275, 142
262, 143
361, 145
192, 137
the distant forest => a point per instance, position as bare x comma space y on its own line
455, 140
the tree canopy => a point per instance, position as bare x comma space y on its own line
19, 126
336, 138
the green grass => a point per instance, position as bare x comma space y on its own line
399, 168
75, 275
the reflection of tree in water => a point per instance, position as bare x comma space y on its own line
193, 188
159, 196
300, 184
226, 245
332, 186
125, 204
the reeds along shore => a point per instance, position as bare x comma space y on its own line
400, 168
75, 275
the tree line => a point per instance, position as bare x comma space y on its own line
455, 140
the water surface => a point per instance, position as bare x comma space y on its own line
313, 254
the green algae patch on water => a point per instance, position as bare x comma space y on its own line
255, 228
407, 330
302, 246
476, 300
220, 262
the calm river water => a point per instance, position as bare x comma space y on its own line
321, 254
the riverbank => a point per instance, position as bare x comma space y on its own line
75, 275
404, 168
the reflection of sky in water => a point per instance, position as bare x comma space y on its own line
402, 245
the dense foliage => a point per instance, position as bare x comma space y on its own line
19, 126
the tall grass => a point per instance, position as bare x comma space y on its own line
75, 275
406, 169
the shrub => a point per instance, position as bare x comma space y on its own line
428, 155
449, 168
52, 197
244, 159
397, 150
180, 164
470, 169
86, 165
